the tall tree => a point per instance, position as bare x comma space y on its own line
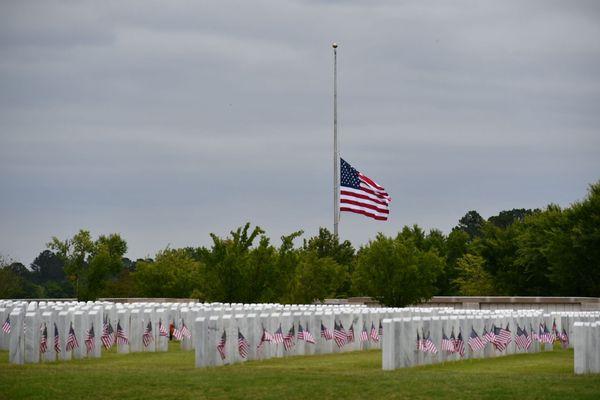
89, 263
396, 272
471, 223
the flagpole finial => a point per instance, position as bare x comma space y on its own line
334, 45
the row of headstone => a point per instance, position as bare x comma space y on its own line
414, 341
587, 347
234, 338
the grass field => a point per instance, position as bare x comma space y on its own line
345, 376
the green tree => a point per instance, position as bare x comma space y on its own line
88, 263
173, 273
471, 223
396, 272
316, 278
473, 279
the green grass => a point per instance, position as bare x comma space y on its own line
344, 376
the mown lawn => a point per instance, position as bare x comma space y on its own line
345, 376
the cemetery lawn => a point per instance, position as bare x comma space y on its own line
356, 375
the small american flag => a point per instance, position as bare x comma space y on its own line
447, 343
506, 335
360, 194
6, 325
350, 336
522, 340
177, 334
488, 336
185, 331
339, 334
364, 335
564, 338
278, 336
56, 339
107, 334
308, 337
428, 345
44, 339
288, 339
89, 339
419, 342
300, 332
265, 337
325, 332
555, 334
243, 345
147, 336
459, 343
499, 343
546, 336
380, 329
121, 335
162, 331
72, 342
374, 334
475, 342
221, 345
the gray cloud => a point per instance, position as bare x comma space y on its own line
169, 120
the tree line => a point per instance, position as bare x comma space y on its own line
542, 252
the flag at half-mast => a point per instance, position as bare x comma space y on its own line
362, 195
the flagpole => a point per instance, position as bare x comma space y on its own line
336, 154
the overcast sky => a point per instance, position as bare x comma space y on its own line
164, 121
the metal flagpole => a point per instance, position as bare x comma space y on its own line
336, 154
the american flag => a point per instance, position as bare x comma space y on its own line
243, 345
72, 342
555, 335
162, 331
339, 334
350, 336
308, 337
44, 340
221, 345
300, 332
56, 339
325, 332
374, 334
522, 340
107, 333
546, 337
380, 329
506, 335
177, 334
89, 339
185, 331
360, 194
475, 342
499, 343
428, 345
447, 343
288, 339
364, 335
6, 325
147, 336
278, 336
564, 338
121, 335
459, 343
265, 337
488, 336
